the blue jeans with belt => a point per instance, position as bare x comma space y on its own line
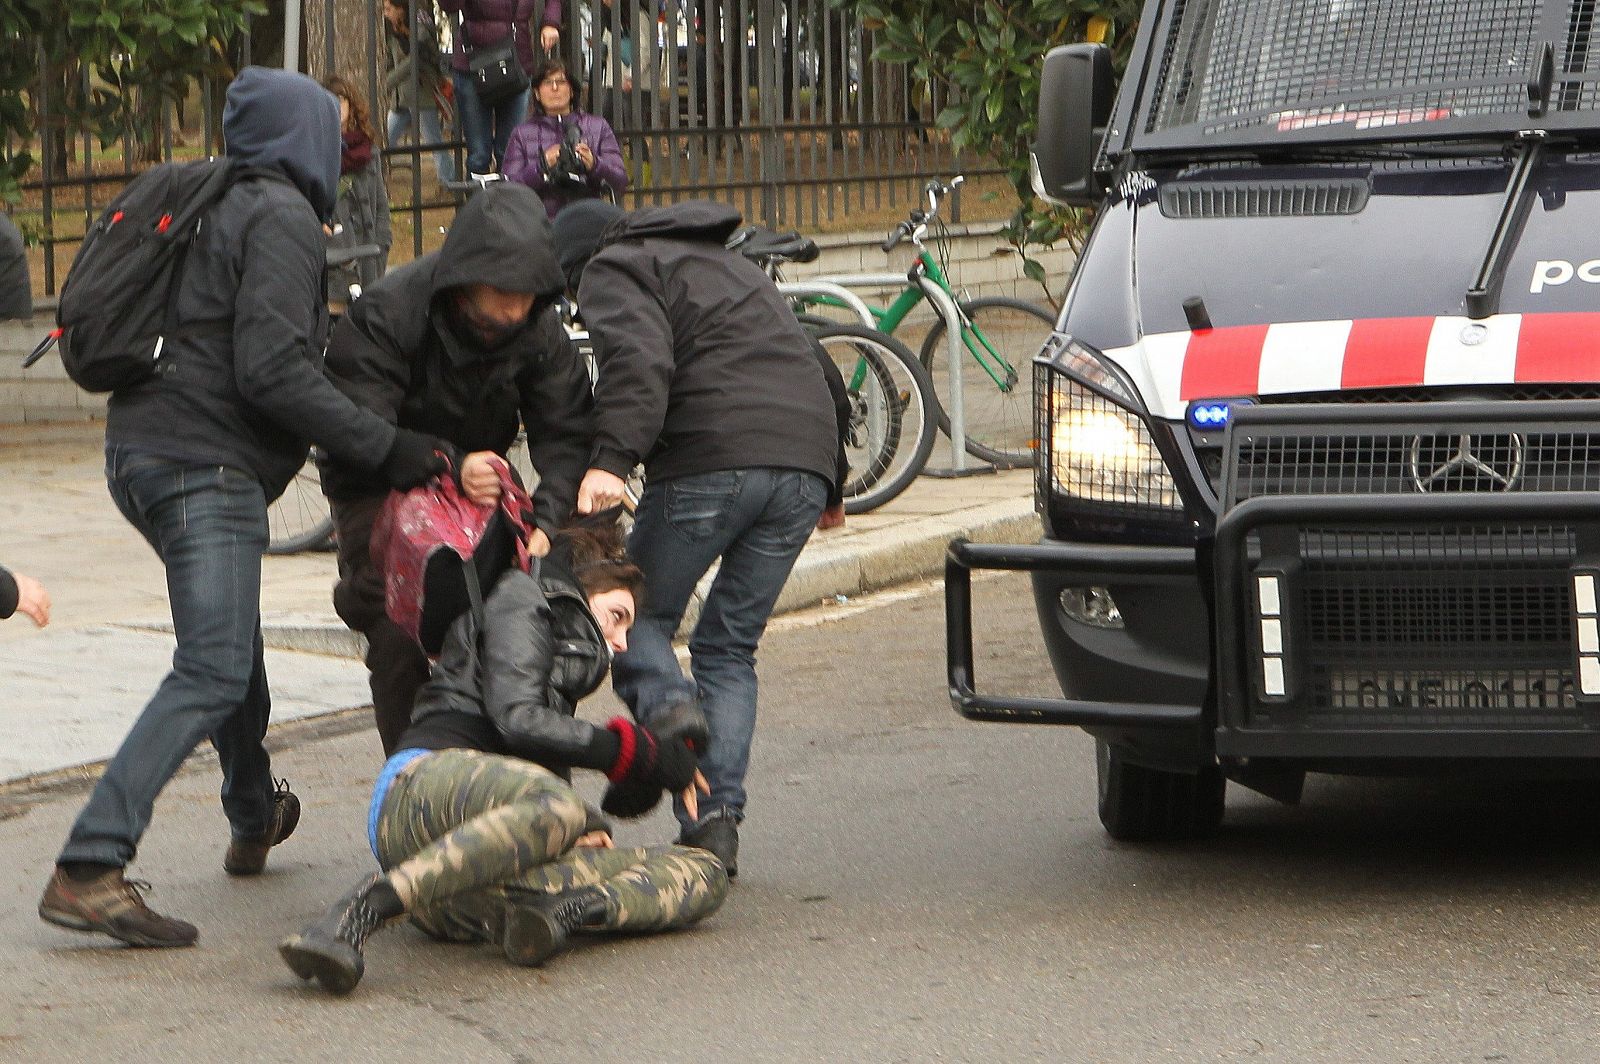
486, 127
756, 520
208, 524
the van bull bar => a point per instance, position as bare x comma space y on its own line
1393, 581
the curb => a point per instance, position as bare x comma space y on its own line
825, 574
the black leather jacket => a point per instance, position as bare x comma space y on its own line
512, 688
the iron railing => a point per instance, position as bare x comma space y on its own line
774, 106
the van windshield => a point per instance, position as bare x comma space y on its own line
1245, 73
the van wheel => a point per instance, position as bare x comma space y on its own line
1139, 804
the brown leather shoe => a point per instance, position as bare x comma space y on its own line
248, 857
113, 905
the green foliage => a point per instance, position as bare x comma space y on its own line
991, 53
107, 67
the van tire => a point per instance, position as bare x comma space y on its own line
1139, 804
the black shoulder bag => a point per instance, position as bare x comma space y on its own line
494, 70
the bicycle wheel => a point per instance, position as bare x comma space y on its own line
1001, 337
300, 520
891, 429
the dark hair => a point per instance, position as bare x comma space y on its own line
358, 106
598, 555
555, 66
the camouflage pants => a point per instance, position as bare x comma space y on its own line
463, 834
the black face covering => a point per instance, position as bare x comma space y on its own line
489, 335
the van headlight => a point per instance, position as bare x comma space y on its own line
1100, 469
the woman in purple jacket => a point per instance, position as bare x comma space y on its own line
487, 127
534, 156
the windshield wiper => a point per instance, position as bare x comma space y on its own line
1483, 298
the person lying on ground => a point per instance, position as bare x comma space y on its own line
480, 834
23, 594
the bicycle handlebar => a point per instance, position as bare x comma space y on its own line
894, 238
938, 190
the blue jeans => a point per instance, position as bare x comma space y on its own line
486, 127
444, 164
208, 524
756, 521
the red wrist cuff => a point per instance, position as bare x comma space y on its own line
627, 742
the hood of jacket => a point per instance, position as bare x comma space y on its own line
286, 122
700, 220
501, 237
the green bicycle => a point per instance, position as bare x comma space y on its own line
1000, 336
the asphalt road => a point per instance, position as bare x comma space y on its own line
913, 887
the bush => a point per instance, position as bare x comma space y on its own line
991, 53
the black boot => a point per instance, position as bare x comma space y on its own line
718, 833
329, 950
538, 926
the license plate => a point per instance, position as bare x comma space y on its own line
1460, 690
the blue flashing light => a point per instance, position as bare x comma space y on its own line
1213, 415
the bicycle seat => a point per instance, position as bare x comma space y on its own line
347, 255
762, 246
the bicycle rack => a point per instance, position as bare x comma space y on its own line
837, 286
832, 290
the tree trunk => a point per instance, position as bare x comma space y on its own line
350, 55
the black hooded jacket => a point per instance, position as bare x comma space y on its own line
250, 395
703, 366
511, 686
402, 353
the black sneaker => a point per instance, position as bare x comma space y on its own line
248, 856
112, 905
540, 925
718, 833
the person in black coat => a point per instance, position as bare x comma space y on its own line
707, 378
194, 455
479, 833
465, 344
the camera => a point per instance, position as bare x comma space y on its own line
569, 172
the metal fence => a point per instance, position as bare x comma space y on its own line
774, 106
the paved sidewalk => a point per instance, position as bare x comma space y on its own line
71, 690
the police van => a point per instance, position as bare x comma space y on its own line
1319, 424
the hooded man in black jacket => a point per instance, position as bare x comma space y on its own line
193, 457
708, 379
463, 344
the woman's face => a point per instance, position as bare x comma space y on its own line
614, 610
555, 94
344, 113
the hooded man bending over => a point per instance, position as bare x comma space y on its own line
465, 344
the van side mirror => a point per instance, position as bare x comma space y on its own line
1076, 92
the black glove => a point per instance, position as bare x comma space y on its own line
654, 760
596, 821
412, 459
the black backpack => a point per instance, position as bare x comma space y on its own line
118, 314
